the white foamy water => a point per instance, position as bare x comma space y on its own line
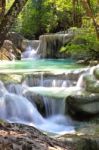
14, 107
30, 53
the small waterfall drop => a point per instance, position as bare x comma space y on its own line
53, 83
30, 53
92, 70
52, 106
80, 82
41, 80
16, 108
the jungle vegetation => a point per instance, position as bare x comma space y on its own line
33, 18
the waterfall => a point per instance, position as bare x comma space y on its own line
30, 53
41, 79
47, 81
92, 70
52, 106
30, 49
16, 108
80, 82
19, 108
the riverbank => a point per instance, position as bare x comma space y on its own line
22, 137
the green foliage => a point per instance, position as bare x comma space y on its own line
49, 16
44, 16
84, 43
8, 4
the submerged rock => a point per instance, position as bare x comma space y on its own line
83, 106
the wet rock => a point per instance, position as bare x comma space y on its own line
96, 73
50, 45
34, 44
91, 84
83, 106
49, 79
10, 78
37, 100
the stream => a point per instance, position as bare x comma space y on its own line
18, 106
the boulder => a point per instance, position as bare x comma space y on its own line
16, 39
20, 42
83, 106
91, 84
96, 73
9, 51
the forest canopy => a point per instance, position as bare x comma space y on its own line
50, 16
32, 18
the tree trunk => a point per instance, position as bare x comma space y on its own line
88, 9
2, 8
9, 18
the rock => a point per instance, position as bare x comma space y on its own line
83, 106
11, 78
22, 137
93, 62
37, 100
20, 42
91, 84
34, 44
9, 51
50, 45
47, 78
96, 73
16, 39
83, 62
85, 138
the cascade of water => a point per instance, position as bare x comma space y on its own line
30, 53
80, 82
92, 70
15, 88
42, 80
19, 108
57, 83
14, 107
52, 106
53, 83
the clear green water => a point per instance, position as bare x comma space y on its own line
38, 65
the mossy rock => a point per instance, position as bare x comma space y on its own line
96, 73
10, 78
91, 84
83, 106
